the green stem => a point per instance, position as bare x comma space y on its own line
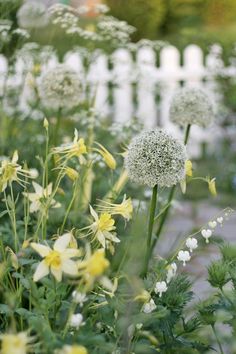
170, 197
150, 228
217, 339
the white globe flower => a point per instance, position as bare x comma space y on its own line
33, 14
60, 87
191, 106
149, 306
156, 158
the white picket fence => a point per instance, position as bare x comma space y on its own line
141, 78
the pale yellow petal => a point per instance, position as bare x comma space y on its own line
69, 267
57, 273
70, 253
101, 238
62, 242
41, 271
42, 250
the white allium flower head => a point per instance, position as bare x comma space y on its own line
155, 157
33, 14
60, 87
160, 288
191, 243
191, 106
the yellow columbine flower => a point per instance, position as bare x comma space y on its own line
188, 168
56, 260
73, 349
103, 228
72, 173
15, 343
95, 265
11, 171
144, 296
125, 208
77, 148
107, 156
212, 186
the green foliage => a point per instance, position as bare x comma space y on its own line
218, 274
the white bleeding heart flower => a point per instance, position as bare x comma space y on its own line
212, 224
184, 256
160, 287
191, 243
220, 220
206, 234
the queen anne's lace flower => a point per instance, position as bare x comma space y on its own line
33, 14
60, 87
155, 157
191, 106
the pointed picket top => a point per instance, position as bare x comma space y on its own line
74, 61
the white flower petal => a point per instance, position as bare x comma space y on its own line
70, 267
62, 242
70, 253
101, 238
57, 273
93, 213
41, 271
42, 250
38, 189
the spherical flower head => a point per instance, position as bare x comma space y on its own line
60, 87
33, 14
155, 157
191, 106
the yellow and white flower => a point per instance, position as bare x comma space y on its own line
40, 198
77, 148
103, 228
11, 171
125, 208
73, 349
56, 260
106, 155
15, 343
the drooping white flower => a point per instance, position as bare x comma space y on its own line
76, 320
220, 220
155, 157
191, 243
149, 306
171, 271
206, 234
191, 106
212, 224
60, 87
57, 260
160, 288
79, 298
184, 256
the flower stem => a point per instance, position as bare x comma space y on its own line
150, 228
170, 197
217, 339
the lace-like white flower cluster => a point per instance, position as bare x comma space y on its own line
60, 87
33, 14
191, 106
155, 157
106, 28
